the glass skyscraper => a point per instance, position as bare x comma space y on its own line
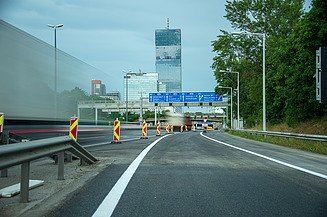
168, 58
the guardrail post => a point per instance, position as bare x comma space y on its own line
24, 182
61, 159
82, 163
69, 157
4, 141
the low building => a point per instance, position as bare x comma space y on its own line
114, 95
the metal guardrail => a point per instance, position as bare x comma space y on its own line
24, 153
311, 137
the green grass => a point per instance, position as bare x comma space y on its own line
312, 146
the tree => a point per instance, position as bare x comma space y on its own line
243, 53
68, 101
307, 37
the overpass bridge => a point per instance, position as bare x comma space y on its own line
137, 106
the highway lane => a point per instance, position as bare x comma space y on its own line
189, 175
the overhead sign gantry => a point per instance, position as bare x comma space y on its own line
185, 98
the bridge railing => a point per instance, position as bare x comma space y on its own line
18, 153
96, 101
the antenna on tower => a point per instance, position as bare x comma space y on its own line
167, 23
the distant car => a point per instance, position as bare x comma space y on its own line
204, 127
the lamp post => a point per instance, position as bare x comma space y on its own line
126, 95
231, 104
263, 35
238, 96
156, 108
55, 27
141, 103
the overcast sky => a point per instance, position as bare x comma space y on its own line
119, 35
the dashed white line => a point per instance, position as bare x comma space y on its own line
269, 158
110, 202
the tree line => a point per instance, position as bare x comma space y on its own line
292, 37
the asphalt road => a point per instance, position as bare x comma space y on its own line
190, 175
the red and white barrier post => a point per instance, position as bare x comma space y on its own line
167, 128
116, 136
73, 128
144, 130
1, 122
158, 129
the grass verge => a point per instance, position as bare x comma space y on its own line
312, 146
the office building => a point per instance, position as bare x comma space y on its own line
168, 58
114, 95
97, 88
139, 84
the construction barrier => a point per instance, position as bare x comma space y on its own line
1, 122
144, 130
186, 130
116, 135
3, 172
73, 128
158, 129
167, 128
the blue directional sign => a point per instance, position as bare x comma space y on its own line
185, 97
157, 97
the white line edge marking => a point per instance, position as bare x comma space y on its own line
110, 202
269, 158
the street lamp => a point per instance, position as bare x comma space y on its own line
126, 96
159, 83
238, 96
141, 104
231, 104
55, 27
263, 35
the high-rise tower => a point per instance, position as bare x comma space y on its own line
168, 58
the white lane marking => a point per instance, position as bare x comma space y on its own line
269, 158
96, 144
106, 143
94, 137
109, 203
